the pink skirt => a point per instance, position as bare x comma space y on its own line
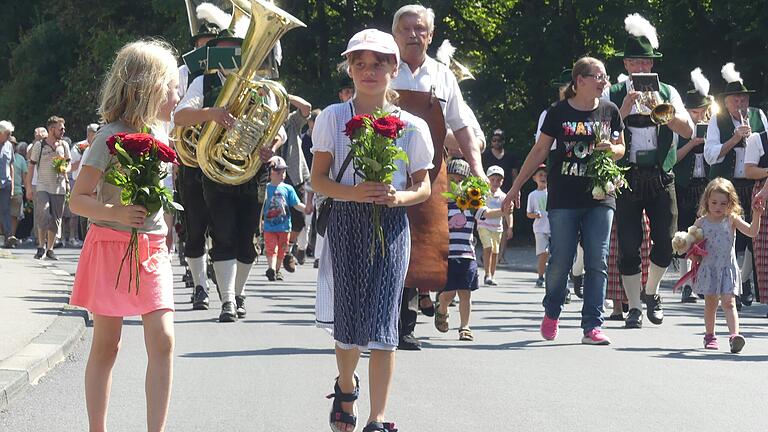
94, 288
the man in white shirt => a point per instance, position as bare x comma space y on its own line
421, 81
725, 150
6, 178
650, 157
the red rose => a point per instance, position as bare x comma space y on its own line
165, 153
116, 138
138, 144
388, 126
356, 123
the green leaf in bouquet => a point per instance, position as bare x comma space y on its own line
153, 204
126, 196
375, 166
122, 156
449, 195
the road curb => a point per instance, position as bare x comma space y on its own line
25, 367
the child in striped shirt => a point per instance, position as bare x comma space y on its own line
462, 266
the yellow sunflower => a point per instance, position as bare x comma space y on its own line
475, 203
462, 203
473, 192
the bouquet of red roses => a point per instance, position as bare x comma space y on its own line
138, 171
372, 143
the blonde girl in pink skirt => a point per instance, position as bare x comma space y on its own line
140, 90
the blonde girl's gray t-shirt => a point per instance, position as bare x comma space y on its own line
99, 157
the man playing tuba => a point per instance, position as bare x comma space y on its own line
650, 156
234, 209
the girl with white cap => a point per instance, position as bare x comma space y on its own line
366, 293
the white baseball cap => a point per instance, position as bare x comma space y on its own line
495, 169
373, 40
277, 163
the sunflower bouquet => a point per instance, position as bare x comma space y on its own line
60, 164
469, 194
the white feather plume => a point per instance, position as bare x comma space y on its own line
621, 78
639, 26
445, 52
213, 14
730, 74
241, 27
700, 82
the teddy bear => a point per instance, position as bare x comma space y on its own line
682, 240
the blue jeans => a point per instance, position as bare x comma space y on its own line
595, 227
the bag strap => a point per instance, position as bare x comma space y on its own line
346, 162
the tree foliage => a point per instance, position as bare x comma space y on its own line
53, 54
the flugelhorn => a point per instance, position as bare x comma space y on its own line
649, 103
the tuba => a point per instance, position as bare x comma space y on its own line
231, 156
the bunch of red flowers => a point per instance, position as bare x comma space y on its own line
372, 143
139, 172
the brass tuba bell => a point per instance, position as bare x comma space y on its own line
231, 156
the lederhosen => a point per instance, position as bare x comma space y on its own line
195, 216
428, 267
235, 210
688, 185
652, 190
726, 168
760, 243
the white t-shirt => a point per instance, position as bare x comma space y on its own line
493, 202
433, 74
76, 157
328, 136
537, 203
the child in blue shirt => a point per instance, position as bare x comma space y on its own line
276, 216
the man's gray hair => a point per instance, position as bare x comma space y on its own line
415, 9
93, 127
6, 126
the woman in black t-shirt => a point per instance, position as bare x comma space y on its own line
572, 210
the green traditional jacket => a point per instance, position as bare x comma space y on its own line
666, 153
725, 124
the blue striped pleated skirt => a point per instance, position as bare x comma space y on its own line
367, 292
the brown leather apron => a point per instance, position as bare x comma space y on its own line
428, 268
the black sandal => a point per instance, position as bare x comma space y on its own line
428, 311
337, 414
380, 427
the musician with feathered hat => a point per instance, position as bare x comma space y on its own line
208, 19
724, 150
691, 169
650, 157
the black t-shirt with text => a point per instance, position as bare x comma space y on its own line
573, 130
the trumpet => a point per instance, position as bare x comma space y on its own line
650, 104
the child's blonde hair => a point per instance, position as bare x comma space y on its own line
726, 188
137, 83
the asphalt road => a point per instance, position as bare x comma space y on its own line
272, 370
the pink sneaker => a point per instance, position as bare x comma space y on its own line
710, 342
549, 328
595, 337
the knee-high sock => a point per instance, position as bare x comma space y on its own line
633, 284
746, 266
243, 270
225, 278
197, 268
319, 242
655, 273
